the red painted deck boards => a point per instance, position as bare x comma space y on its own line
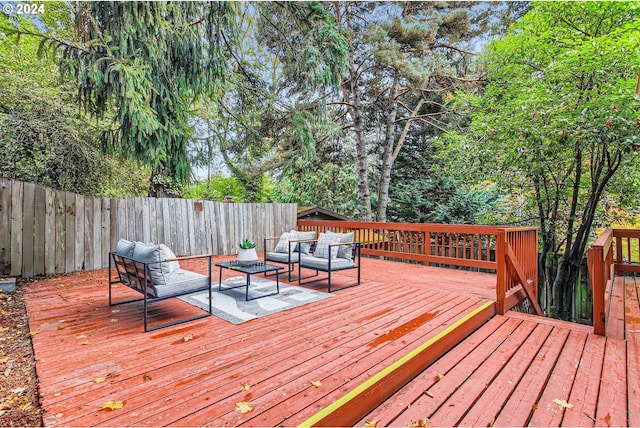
558, 374
192, 373
512, 371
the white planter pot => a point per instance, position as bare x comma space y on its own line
247, 256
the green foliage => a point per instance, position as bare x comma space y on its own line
43, 139
270, 108
327, 185
246, 244
142, 64
447, 201
557, 122
217, 188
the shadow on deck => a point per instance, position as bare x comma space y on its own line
510, 371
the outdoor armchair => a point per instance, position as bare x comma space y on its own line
289, 248
333, 252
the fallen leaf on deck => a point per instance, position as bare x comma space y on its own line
99, 379
114, 320
438, 377
61, 327
33, 333
187, 338
422, 423
146, 378
86, 342
243, 407
370, 423
245, 387
115, 311
112, 405
316, 383
81, 336
562, 403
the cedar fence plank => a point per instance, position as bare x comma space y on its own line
79, 250
160, 219
60, 230
153, 220
69, 232
5, 226
50, 232
105, 211
88, 242
39, 228
17, 189
145, 220
28, 220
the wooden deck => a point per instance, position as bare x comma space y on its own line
508, 372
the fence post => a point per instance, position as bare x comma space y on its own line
501, 271
595, 261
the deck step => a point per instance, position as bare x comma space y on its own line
349, 409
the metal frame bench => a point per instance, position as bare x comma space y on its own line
136, 275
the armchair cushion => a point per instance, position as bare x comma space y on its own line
283, 257
180, 282
320, 263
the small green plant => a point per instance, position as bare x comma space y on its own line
247, 244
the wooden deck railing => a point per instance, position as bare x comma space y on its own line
616, 251
509, 252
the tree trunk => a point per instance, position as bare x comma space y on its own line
387, 156
361, 147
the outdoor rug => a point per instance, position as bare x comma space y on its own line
230, 305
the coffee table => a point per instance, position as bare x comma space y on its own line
252, 269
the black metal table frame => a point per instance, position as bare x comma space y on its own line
249, 270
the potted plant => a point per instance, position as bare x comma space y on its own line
247, 254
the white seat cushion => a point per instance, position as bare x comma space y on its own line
321, 263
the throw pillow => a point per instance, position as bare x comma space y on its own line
322, 246
344, 251
283, 243
304, 247
166, 253
155, 254
125, 248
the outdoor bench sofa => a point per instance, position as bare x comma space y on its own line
333, 252
154, 271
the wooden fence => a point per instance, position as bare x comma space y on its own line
45, 231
